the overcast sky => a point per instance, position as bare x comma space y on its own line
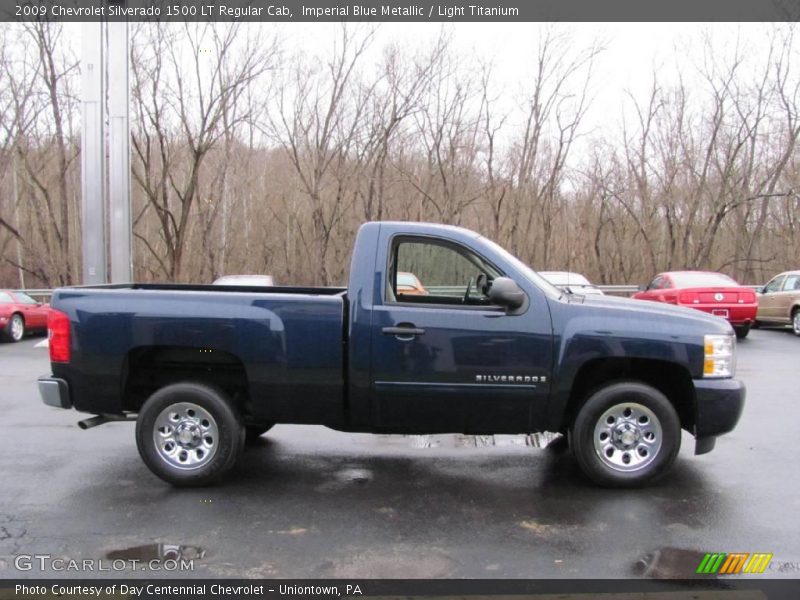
632, 53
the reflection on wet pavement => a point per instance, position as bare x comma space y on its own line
533, 440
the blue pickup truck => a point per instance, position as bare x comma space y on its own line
440, 330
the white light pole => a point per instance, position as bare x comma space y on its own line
119, 152
92, 155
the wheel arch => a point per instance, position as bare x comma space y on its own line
150, 368
671, 379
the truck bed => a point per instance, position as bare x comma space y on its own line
287, 343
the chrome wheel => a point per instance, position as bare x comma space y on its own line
186, 436
796, 322
627, 437
17, 328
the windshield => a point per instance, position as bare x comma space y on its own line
406, 279
246, 280
700, 279
565, 278
537, 279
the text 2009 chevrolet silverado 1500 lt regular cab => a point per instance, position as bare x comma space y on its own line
483, 346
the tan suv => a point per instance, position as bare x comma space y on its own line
779, 301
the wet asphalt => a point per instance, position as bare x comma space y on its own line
310, 502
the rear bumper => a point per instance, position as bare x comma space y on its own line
54, 392
719, 404
737, 314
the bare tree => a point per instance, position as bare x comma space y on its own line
184, 89
317, 123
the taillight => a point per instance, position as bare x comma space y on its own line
748, 297
689, 298
58, 332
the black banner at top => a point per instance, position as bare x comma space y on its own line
400, 10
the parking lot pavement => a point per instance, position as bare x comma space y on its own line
310, 502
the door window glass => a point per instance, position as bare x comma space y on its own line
24, 298
430, 272
792, 283
774, 285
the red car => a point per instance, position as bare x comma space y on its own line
19, 313
710, 292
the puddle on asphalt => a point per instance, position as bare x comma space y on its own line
670, 563
360, 476
345, 478
160, 552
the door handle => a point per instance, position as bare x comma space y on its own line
407, 331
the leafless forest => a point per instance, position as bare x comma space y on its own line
251, 158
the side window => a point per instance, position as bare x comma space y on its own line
792, 283
656, 283
431, 272
774, 285
24, 298
5, 298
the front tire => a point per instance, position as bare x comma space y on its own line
626, 434
15, 328
189, 434
741, 331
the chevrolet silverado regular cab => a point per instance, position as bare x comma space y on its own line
485, 346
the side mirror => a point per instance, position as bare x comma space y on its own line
505, 292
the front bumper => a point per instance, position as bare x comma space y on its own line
719, 404
54, 392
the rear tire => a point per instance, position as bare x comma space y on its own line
14, 330
796, 321
626, 434
189, 434
741, 331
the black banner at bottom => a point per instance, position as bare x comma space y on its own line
550, 589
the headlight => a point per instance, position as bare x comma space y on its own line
719, 356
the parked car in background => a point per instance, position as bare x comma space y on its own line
19, 314
409, 284
246, 280
571, 282
710, 292
779, 301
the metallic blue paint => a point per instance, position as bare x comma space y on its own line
321, 355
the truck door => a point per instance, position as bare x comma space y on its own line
444, 359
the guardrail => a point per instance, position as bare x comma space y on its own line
619, 290
41, 295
